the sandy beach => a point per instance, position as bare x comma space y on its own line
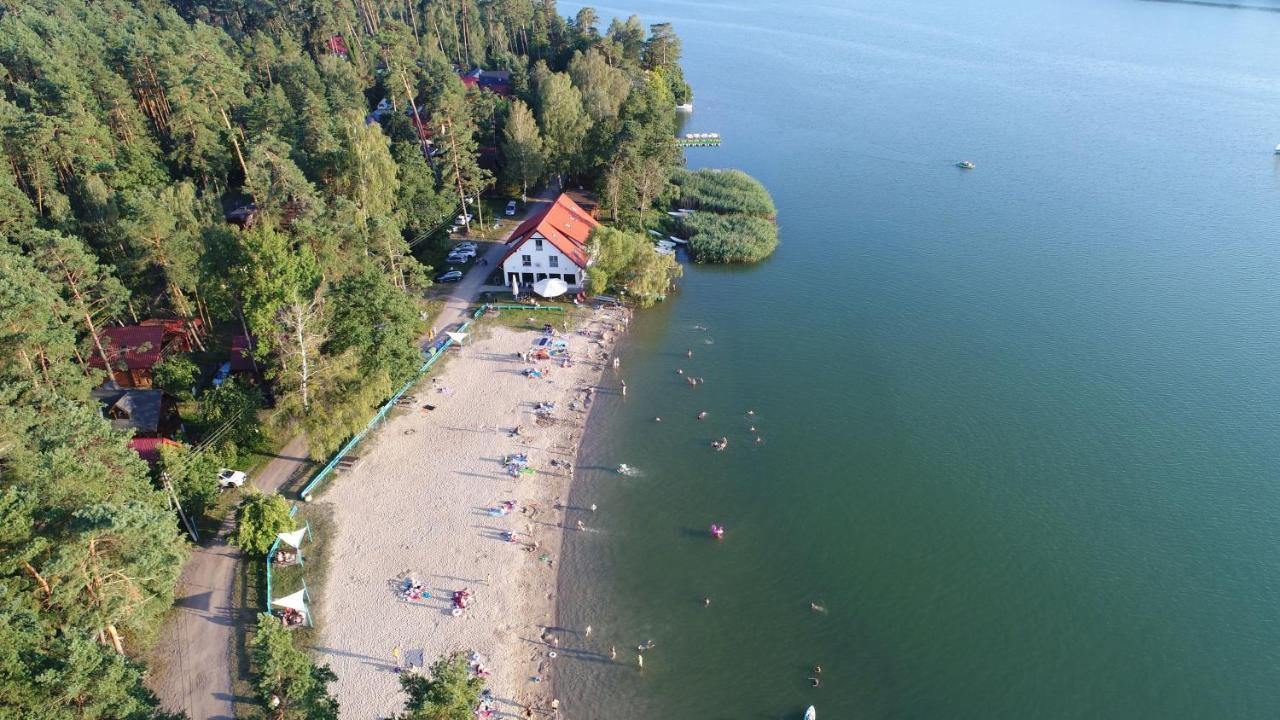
426, 505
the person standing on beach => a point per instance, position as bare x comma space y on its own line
613, 652
588, 631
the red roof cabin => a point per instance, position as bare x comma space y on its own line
133, 351
551, 244
495, 81
241, 359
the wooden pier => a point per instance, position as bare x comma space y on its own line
699, 140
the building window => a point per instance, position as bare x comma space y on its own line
526, 260
569, 279
554, 261
537, 243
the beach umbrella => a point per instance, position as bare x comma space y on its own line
293, 539
550, 287
515, 288
456, 336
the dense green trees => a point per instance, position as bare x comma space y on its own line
523, 149
129, 128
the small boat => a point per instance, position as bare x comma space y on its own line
965, 165
687, 107
810, 714
1278, 149
717, 531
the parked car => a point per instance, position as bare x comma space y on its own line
511, 208
224, 372
468, 250
449, 276
231, 478
457, 259
465, 245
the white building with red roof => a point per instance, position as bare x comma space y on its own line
551, 244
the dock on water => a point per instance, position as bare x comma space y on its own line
699, 140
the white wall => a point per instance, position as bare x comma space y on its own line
540, 263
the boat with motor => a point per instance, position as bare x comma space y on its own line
810, 714
965, 165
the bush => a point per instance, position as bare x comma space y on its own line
729, 238
725, 192
626, 263
176, 375
288, 685
449, 693
259, 519
238, 404
194, 476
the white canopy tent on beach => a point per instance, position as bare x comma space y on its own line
551, 287
293, 539
296, 601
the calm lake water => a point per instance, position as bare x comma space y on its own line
1020, 422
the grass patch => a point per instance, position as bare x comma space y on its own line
724, 192
248, 595
735, 218
732, 238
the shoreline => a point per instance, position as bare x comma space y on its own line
426, 506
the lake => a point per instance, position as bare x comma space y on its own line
1019, 423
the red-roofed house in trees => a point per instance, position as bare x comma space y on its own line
134, 350
551, 244
495, 81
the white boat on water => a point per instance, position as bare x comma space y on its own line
810, 714
687, 107
1278, 149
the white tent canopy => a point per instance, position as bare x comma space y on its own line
550, 287
296, 601
293, 539
457, 336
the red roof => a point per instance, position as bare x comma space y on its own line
564, 223
136, 346
240, 351
149, 448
